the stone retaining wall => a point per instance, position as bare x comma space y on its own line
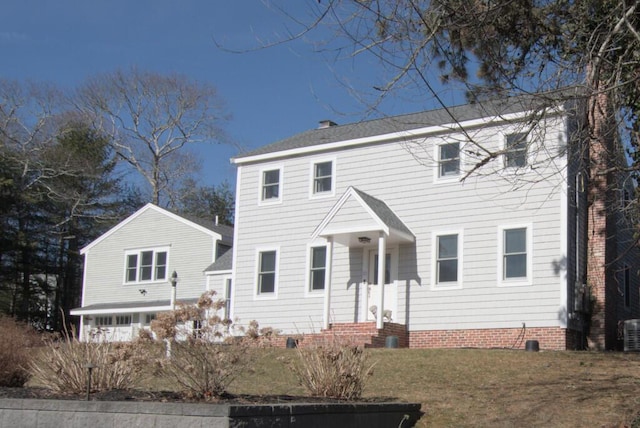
32, 413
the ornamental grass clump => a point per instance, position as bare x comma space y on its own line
19, 342
203, 356
62, 366
333, 369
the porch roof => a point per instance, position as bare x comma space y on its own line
366, 219
127, 307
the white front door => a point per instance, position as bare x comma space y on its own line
390, 288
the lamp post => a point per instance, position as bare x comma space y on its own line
174, 283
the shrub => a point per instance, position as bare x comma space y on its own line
63, 366
19, 341
333, 369
203, 369
203, 362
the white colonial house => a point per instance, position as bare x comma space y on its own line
490, 233
128, 271
481, 215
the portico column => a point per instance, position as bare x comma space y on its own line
382, 258
327, 284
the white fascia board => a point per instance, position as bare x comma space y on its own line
120, 310
137, 214
218, 272
400, 135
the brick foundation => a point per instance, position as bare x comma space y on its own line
367, 335
550, 338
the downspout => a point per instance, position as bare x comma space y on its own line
327, 285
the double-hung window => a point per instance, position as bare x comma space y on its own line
271, 185
267, 272
322, 174
146, 265
515, 255
318, 267
447, 259
516, 150
448, 160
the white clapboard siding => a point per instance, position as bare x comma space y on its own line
190, 251
404, 178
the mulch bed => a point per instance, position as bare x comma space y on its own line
170, 396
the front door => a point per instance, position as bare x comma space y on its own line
390, 288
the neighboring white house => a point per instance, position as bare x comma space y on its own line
486, 257
485, 222
128, 270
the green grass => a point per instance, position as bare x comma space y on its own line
497, 388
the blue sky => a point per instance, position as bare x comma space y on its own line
270, 93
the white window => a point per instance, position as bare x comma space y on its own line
146, 265
449, 160
516, 150
515, 255
148, 318
323, 178
267, 267
227, 298
317, 268
103, 321
447, 259
123, 320
271, 180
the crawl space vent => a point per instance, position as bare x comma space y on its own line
632, 335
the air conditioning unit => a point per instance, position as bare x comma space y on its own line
632, 335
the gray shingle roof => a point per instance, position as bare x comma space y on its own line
225, 231
224, 262
131, 305
383, 212
408, 122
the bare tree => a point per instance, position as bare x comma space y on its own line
151, 120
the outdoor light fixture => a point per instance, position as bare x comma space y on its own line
174, 278
364, 239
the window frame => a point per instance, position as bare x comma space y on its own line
257, 293
309, 291
121, 318
447, 285
263, 171
312, 178
438, 178
103, 321
516, 281
153, 267
149, 317
516, 153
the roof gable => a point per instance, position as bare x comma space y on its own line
357, 211
209, 230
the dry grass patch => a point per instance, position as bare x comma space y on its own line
497, 388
